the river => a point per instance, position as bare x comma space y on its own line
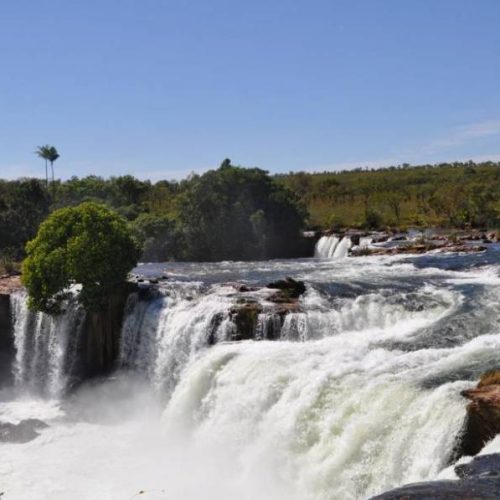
360, 394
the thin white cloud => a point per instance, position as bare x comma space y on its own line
463, 134
13, 171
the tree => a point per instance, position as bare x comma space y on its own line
49, 154
236, 213
88, 245
158, 236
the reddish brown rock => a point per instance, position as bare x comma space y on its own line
483, 414
9, 284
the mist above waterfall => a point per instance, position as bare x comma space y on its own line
359, 392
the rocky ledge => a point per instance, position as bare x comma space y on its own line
281, 298
24, 431
418, 248
9, 284
483, 414
477, 480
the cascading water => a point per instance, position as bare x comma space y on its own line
358, 393
330, 247
325, 247
46, 347
160, 336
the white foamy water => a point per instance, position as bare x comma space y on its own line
45, 347
325, 247
360, 394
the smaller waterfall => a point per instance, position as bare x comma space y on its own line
46, 346
160, 336
342, 248
365, 241
325, 247
330, 247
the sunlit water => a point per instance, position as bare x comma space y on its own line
361, 394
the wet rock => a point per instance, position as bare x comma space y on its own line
7, 347
418, 248
483, 414
477, 480
380, 238
483, 466
99, 342
22, 432
289, 288
472, 489
245, 317
355, 238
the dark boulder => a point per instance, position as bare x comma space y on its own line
245, 317
100, 338
24, 431
487, 466
477, 480
472, 489
7, 348
289, 288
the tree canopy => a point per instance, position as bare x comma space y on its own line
244, 213
235, 213
89, 245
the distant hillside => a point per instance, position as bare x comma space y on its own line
448, 194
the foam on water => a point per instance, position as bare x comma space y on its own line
361, 394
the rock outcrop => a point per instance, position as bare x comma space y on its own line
24, 431
483, 414
100, 338
479, 479
8, 285
283, 299
418, 248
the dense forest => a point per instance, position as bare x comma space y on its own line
231, 213
244, 213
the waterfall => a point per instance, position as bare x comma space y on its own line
161, 335
365, 241
350, 390
330, 247
325, 247
46, 347
342, 248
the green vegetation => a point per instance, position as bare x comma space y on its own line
89, 245
239, 213
454, 195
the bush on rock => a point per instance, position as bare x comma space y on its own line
88, 245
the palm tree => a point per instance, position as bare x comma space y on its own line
49, 154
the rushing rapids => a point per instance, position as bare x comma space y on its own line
358, 393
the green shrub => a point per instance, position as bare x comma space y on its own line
88, 245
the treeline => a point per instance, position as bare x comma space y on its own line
453, 195
231, 213
236, 213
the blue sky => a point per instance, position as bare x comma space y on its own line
160, 88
